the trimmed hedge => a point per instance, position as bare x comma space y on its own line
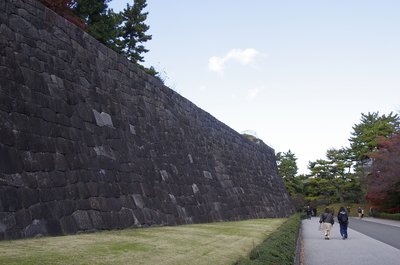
280, 246
392, 216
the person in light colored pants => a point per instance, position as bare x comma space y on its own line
327, 221
360, 213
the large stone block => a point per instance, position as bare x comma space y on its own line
7, 222
10, 199
29, 161
112, 220
93, 188
127, 218
11, 161
115, 205
53, 227
45, 195
68, 225
29, 197
82, 220
97, 220
68, 207
83, 204
23, 218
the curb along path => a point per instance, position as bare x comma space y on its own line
357, 249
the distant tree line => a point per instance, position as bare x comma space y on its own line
124, 32
368, 170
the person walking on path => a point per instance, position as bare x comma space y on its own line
343, 220
360, 213
359, 249
309, 212
371, 211
327, 221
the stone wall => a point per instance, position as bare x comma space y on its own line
89, 142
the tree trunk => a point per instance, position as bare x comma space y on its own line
340, 193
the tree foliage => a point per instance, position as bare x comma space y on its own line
287, 167
102, 23
133, 31
333, 174
124, 32
364, 136
384, 185
345, 174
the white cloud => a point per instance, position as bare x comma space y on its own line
217, 64
202, 87
252, 94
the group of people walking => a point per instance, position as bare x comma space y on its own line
327, 221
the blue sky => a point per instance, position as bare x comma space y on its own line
297, 73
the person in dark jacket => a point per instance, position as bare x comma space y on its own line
343, 220
327, 221
360, 213
308, 212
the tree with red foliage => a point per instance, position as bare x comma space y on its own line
384, 185
64, 9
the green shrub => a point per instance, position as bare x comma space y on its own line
392, 216
280, 246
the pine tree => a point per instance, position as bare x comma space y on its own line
364, 137
335, 173
102, 23
133, 31
287, 167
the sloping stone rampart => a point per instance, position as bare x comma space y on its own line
89, 142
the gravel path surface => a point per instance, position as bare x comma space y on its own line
357, 249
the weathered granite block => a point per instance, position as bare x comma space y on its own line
68, 225
53, 227
23, 218
28, 197
39, 211
111, 220
82, 220
115, 205
68, 207
83, 204
127, 217
97, 219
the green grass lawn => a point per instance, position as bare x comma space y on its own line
214, 243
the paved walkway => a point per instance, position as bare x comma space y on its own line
357, 249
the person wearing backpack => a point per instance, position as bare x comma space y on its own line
327, 221
343, 220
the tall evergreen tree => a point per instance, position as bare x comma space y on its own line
287, 167
364, 136
102, 23
335, 172
133, 31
